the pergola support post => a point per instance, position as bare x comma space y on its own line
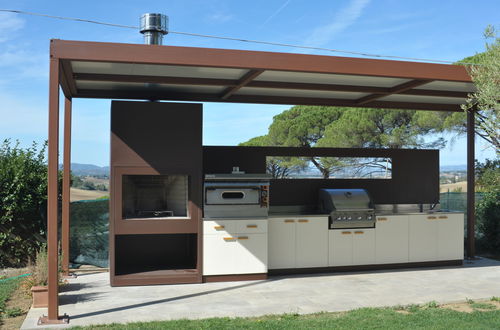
52, 198
65, 227
471, 214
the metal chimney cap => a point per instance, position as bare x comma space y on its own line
154, 22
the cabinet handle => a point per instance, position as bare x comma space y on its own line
346, 233
381, 219
243, 237
251, 226
303, 220
228, 239
443, 217
431, 218
359, 232
219, 227
289, 220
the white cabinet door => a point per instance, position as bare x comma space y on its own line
450, 236
281, 247
340, 247
423, 238
312, 242
251, 254
391, 239
363, 246
219, 254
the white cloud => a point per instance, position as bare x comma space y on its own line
220, 17
9, 23
342, 20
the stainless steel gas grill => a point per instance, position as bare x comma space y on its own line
236, 195
347, 208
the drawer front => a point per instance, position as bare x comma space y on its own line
219, 227
251, 226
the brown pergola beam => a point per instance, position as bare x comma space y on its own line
258, 84
254, 60
248, 77
260, 99
393, 90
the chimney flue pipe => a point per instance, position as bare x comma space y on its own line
153, 27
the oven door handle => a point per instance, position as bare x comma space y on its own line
240, 194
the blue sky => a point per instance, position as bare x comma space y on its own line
446, 30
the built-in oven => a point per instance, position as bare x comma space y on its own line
236, 196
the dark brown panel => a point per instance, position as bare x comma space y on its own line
228, 278
415, 174
153, 138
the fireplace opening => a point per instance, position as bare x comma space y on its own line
154, 196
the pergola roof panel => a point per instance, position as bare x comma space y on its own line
323, 78
300, 93
143, 87
466, 87
155, 70
422, 99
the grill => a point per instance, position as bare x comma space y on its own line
347, 208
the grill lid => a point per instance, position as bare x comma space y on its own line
344, 199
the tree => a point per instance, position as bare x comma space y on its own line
485, 73
311, 126
278, 167
381, 128
23, 197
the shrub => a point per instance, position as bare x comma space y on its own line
488, 222
23, 197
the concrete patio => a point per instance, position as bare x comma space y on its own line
89, 299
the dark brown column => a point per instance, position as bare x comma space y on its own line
66, 187
471, 216
52, 193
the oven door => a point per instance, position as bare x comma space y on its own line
232, 194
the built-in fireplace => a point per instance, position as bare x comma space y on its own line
154, 196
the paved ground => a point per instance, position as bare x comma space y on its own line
90, 300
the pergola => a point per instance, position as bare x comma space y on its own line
152, 72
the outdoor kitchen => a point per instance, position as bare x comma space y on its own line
184, 212
187, 213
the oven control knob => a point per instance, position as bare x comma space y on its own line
360, 218
339, 218
349, 218
344, 218
369, 217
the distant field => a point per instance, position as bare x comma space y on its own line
80, 194
453, 186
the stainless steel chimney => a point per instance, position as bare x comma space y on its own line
153, 27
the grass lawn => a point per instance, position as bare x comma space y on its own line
7, 288
14, 304
469, 315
